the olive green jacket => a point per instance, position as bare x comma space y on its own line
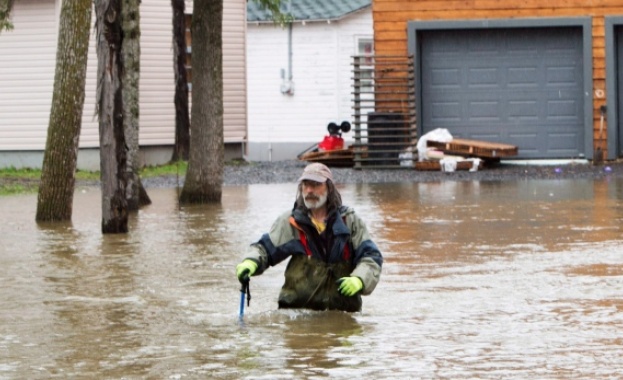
318, 261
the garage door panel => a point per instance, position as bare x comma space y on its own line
523, 110
526, 139
562, 110
445, 78
485, 111
519, 86
559, 143
446, 112
483, 77
562, 76
523, 77
561, 140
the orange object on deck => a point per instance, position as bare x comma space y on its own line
331, 142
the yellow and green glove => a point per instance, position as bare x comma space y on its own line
349, 286
245, 269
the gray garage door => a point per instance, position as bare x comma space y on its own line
521, 86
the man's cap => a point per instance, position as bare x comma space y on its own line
316, 172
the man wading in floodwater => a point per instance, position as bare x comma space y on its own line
333, 261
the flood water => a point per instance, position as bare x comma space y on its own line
482, 280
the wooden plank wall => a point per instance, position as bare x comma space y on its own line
391, 18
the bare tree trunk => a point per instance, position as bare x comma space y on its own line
56, 190
182, 118
204, 177
131, 52
113, 150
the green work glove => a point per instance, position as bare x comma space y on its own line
349, 286
245, 269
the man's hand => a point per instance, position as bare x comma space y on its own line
245, 269
349, 286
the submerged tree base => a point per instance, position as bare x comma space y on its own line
115, 226
200, 197
143, 197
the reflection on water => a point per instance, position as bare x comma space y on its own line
490, 280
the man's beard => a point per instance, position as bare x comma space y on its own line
312, 202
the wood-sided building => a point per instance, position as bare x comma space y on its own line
545, 76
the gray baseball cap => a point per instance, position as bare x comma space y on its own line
316, 172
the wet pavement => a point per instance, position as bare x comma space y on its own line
482, 279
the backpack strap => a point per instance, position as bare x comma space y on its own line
302, 236
305, 243
346, 254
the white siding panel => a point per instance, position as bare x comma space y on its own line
27, 63
89, 131
157, 112
234, 71
27, 75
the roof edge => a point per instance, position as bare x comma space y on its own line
302, 21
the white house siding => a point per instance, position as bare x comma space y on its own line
27, 57
157, 78
27, 64
234, 70
281, 126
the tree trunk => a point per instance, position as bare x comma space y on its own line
204, 177
131, 52
113, 150
56, 190
182, 119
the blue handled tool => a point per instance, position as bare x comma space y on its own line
244, 289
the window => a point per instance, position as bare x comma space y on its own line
365, 51
365, 47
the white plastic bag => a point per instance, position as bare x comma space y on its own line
406, 158
448, 164
475, 164
439, 134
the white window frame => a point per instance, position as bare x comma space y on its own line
364, 46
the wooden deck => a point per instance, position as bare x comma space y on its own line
331, 158
487, 151
436, 165
475, 148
